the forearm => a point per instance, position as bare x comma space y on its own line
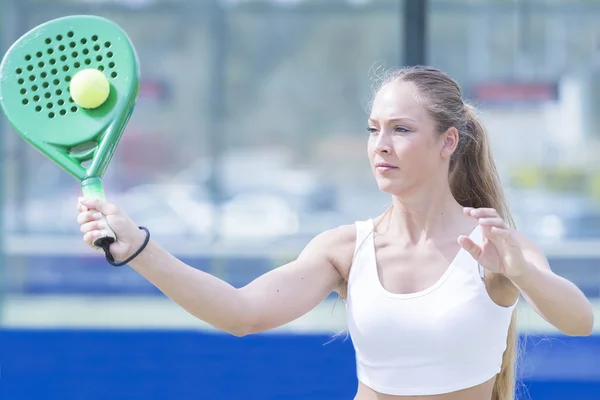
206, 297
558, 300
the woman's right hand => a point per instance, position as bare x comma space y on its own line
96, 216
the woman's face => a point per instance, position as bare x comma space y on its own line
405, 149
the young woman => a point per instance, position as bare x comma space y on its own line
430, 285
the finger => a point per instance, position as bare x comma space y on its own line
470, 246
80, 207
90, 236
103, 206
87, 216
489, 222
93, 226
504, 233
482, 212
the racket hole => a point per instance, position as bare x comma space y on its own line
50, 51
111, 65
43, 75
21, 81
58, 92
34, 88
25, 102
94, 38
85, 51
83, 41
98, 58
65, 68
107, 45
61, 47
32, 78
52, 61
63, 112
109, 54
72, 44
47, 95
27, 57
23, 91
30, 68
51, 115
70, 34
59, 37
63, 58
19, 71
67, 79
71, 100
50, 105
56, 82
45, 85
73, 109
38, 108
39, 54
97, 47
36, 98
113, 74
48, 41
87, 61
60, 102
77, 64
101, 68
54, 71
41, 64
74, 54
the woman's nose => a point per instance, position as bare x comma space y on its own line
383, 145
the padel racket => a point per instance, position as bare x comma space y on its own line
34, 95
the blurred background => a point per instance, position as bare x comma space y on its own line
249, 138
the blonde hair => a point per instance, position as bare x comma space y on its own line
473, 176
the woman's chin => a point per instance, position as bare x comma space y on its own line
389, 186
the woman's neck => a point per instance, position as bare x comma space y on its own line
424, 215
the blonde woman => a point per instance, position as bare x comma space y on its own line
430, 285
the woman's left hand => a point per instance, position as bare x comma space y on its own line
500, 251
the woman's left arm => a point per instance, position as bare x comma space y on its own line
506, 251
553, 297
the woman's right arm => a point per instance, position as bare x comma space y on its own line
273, 299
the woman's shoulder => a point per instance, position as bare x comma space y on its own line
339, 244
337, 238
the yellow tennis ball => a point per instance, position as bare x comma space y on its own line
89, 88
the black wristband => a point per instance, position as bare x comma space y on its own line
105, 245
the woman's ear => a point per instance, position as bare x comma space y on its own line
450, 142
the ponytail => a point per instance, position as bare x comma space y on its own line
474, 182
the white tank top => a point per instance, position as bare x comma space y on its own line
448, 337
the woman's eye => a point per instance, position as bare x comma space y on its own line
400, 129
371, 130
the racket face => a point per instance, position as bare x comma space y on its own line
34, 90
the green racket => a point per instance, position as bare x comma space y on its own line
34, 95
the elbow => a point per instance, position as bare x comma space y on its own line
578, 332
241, 327
585, 327
240, 330
245, 330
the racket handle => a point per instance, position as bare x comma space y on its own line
92, 187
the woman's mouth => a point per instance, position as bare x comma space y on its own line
384, 167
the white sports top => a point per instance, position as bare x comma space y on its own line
448, 337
